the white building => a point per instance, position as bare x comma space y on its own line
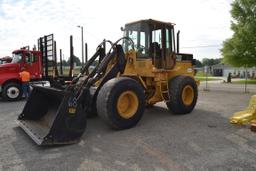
224, 70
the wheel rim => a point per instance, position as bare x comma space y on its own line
13, 92
127, 104
188, 95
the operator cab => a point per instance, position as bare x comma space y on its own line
153, 40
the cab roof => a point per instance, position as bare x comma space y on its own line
152, 22
25, 50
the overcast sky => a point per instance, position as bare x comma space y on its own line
202, 22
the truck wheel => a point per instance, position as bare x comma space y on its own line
183, 94
121, 102
12, 92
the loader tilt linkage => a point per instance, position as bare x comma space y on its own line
61, 118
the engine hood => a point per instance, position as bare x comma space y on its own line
9, 68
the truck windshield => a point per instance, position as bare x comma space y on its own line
16, 57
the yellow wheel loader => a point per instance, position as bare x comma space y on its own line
142, 68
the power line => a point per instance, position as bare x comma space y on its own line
203, 46
93, 35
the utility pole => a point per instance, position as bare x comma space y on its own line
71, 65
61, 59
82, 38
86, 52
206, 78
246, 78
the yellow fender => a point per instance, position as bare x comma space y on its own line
246, 116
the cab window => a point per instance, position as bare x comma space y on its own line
34, 58
28, 58
169, 41
16, 58
31, 58
139, 33
157, 37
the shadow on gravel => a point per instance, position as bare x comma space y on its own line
16, 101
161, 140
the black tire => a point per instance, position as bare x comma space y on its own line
12, 92
92, 111
176, 87
108, 98
149, 106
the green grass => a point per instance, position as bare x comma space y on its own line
66, 71
208, 79
243, 82
202, 74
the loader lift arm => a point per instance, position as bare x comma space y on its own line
52, 116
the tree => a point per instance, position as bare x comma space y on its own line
211, 61
64, 63
76, 60
240, 49
198, 64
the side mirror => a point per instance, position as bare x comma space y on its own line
122, 29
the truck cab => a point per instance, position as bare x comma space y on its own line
10, 82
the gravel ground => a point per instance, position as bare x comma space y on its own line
202, 140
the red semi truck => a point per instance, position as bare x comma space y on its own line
10, 82
41, 64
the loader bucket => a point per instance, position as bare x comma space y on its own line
51, 116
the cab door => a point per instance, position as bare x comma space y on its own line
162, 47
31, 64
170, 54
